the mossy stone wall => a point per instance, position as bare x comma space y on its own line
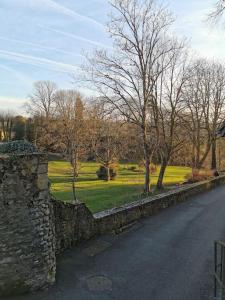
27, 234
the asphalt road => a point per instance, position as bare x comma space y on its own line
165, 257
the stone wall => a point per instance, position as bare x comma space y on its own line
34, 227
116, 219
73, 223
27, 238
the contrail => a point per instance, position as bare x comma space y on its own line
20, 76
39, 46
38, 61
77, 37
60, 9
69, 12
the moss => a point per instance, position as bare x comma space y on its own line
51, 275
14, 288
16, 147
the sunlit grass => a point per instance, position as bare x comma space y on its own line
99, 195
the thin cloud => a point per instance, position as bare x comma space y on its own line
12, 100
12, 104
69, 12
53, 6
77, 37
17, 75
38, 61
38, 46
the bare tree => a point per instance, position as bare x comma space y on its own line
214, 102
194, 120
41, 106
105, 135
126, 78
218, 11
69, 109
170, 105
96, 115
41, 101
108, 144
6, 125
204, 96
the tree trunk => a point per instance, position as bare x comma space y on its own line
147, 176
201, 162
107, 172
74, 167
219, 155
159, 185
147, 161
76, 164
74, 186
193, 157
35, 134
213, 162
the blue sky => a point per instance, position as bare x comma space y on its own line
45, 40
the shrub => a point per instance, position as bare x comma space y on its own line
153, 167
199, 175
102, 173
141, 164
133, 169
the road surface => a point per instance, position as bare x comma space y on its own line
165, 257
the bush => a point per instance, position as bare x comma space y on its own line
132, 168
102, 173
199, 175
153, 167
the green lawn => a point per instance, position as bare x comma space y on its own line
99, 195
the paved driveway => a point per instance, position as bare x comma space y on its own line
165, 257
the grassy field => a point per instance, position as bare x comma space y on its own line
99, 195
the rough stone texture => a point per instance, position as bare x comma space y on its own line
19, 146
164, 257
73, 223
34, 228
114, 220
27, 238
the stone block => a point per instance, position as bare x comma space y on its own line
43, 168
42, 182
